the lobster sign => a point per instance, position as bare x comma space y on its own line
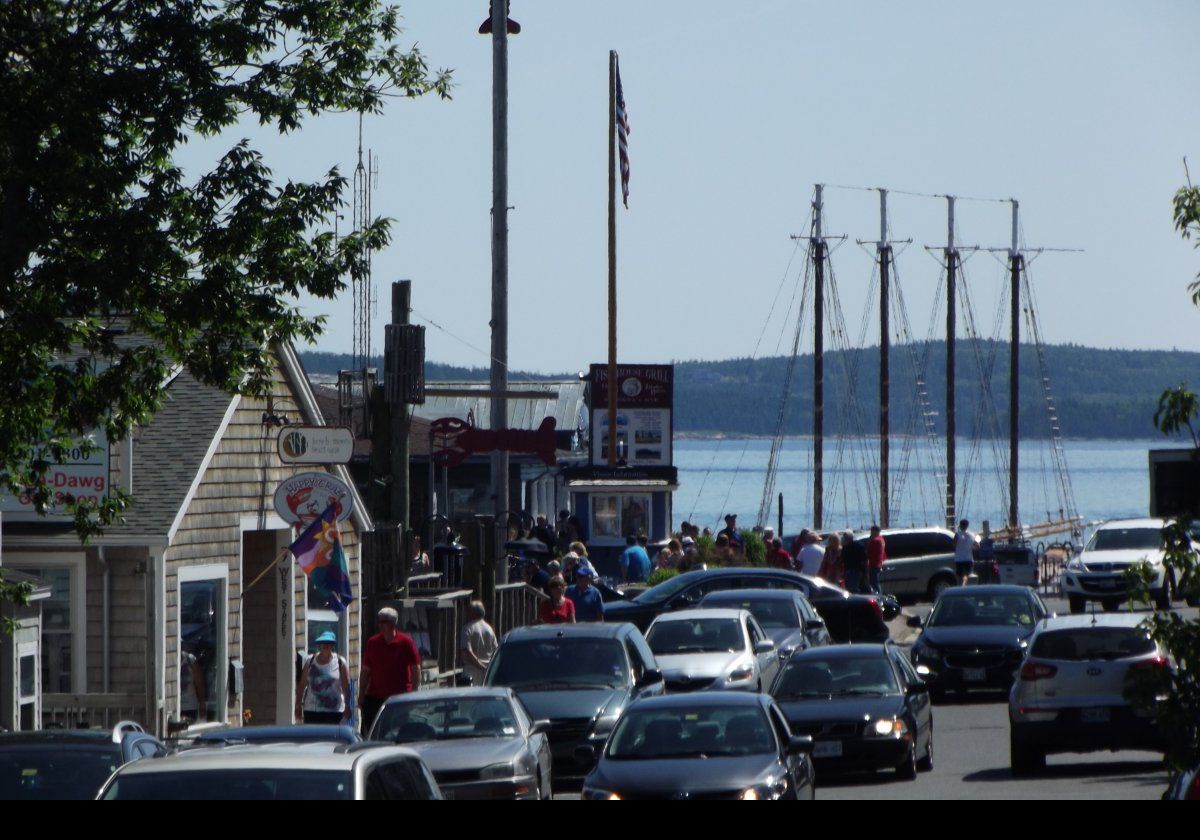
454, 440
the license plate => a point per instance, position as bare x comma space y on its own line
827, 749
975, 674
1100, 715
1106, 584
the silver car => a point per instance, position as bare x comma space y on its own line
1070, 692
305, 772
713, 649
480, 743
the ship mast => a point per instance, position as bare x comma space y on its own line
819, 254
1016, 264
951, 254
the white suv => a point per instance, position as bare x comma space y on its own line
1098, 573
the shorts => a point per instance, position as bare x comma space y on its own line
963, 567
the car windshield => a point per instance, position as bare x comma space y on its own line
1117, 539
1079, 644
973, 610
55, 771
564, 663
257, 783
691, 733
833, 676
441, 720
665, 590
771, 613
696, 635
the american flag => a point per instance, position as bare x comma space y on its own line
622, 119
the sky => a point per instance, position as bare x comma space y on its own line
1082, 110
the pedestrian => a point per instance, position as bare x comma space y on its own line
854, 562
689, 553
477, 643
675, 553
811, 555
634, 561
563, 535
723, 553
964, 548
831, 562
777, 556
541, 531
589, 605
557, 609
535, 575
876, 557
391, 664
323, 693
420, 564
731, 531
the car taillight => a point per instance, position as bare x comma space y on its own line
1158, 663
1193, 791
1037, 671
874, 602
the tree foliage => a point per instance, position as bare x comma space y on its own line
103, 237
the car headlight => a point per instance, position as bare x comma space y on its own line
1075, 565
598, 793
759, 792
741, 674
924, 650
504, 770
887, 728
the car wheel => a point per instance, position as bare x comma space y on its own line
939, 585
907, 770
1110, 604
1025, 759
1078, 604
926, 763
1193, 600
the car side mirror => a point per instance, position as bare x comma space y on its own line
651, 677
764, 646
915, 621
916, 688
799, 744
816, 623
539, 727
585, 754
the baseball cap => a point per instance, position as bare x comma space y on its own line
327, 636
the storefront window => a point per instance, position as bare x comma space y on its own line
615, 517
320, 618
606, 517
202, 650
59, 621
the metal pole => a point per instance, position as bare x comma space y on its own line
1014, 364
885, 253
818, 244
499, 377
951, 271
612, 258
780, 530
399, 508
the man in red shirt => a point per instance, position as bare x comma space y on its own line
391, 664
876, 555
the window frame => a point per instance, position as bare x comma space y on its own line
200, 574
76, 565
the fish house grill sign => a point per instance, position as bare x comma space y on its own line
645, 398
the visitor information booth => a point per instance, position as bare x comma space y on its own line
634, 497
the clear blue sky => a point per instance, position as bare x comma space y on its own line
1081, 110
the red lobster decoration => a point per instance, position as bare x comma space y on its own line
454, 440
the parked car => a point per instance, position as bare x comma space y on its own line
1099, 572
1185, 786
309, 773
580, 677
785, 614
865, 707
1014, 563
1070, 695
480, 743
920, 561
69, 763
858, 618
976, 636
298, 734
712, 649
715, 745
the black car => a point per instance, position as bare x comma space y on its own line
69, 763
865, 707
977, 636
784, 614
715, 745
849, 618
282, 734
580, 677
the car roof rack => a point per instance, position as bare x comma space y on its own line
126, 727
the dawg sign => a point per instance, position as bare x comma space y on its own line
303, 497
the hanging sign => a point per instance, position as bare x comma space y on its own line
455, 440
302, 498
315, 444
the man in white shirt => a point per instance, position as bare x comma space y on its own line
477, 644
811, 554
964, 551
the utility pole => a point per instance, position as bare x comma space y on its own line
398, 513
818, 256
499, 323
951, 254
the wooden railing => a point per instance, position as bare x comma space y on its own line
516, 606
73, 711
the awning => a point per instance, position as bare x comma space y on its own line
593, 485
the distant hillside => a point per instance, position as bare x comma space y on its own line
1098, 393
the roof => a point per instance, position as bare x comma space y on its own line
313, 756
79, 737
460, 693
761, 594
1156, 524
714, 612
703, 700
586, 630
853, 651
621, 484
281, 733
1069, 622
987, 589
567, 408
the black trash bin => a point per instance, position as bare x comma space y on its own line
450, 560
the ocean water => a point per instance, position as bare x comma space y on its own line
1107, 479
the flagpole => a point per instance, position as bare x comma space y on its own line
612, 258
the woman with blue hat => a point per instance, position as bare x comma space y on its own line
323, 693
